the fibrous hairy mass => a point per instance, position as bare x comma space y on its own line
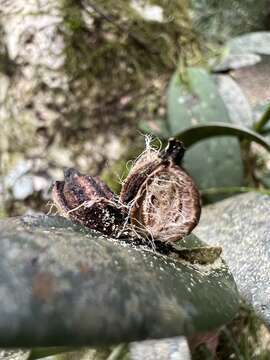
158, 200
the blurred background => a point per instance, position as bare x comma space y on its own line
77, 78
81, 81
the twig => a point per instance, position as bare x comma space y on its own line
259, 125
249, 162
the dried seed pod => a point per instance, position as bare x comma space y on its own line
158, 198
89, 201
163, 199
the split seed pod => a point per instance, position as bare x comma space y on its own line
89, 201
158, 198
163, 200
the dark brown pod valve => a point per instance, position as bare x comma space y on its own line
89, 201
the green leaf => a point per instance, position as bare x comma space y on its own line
235, 61
63, 285
255, 42
205, 99
193, 102
237, 104
202, 132
217, 167
211, 160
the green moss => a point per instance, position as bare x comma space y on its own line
121, 42
112, 52
73, 20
